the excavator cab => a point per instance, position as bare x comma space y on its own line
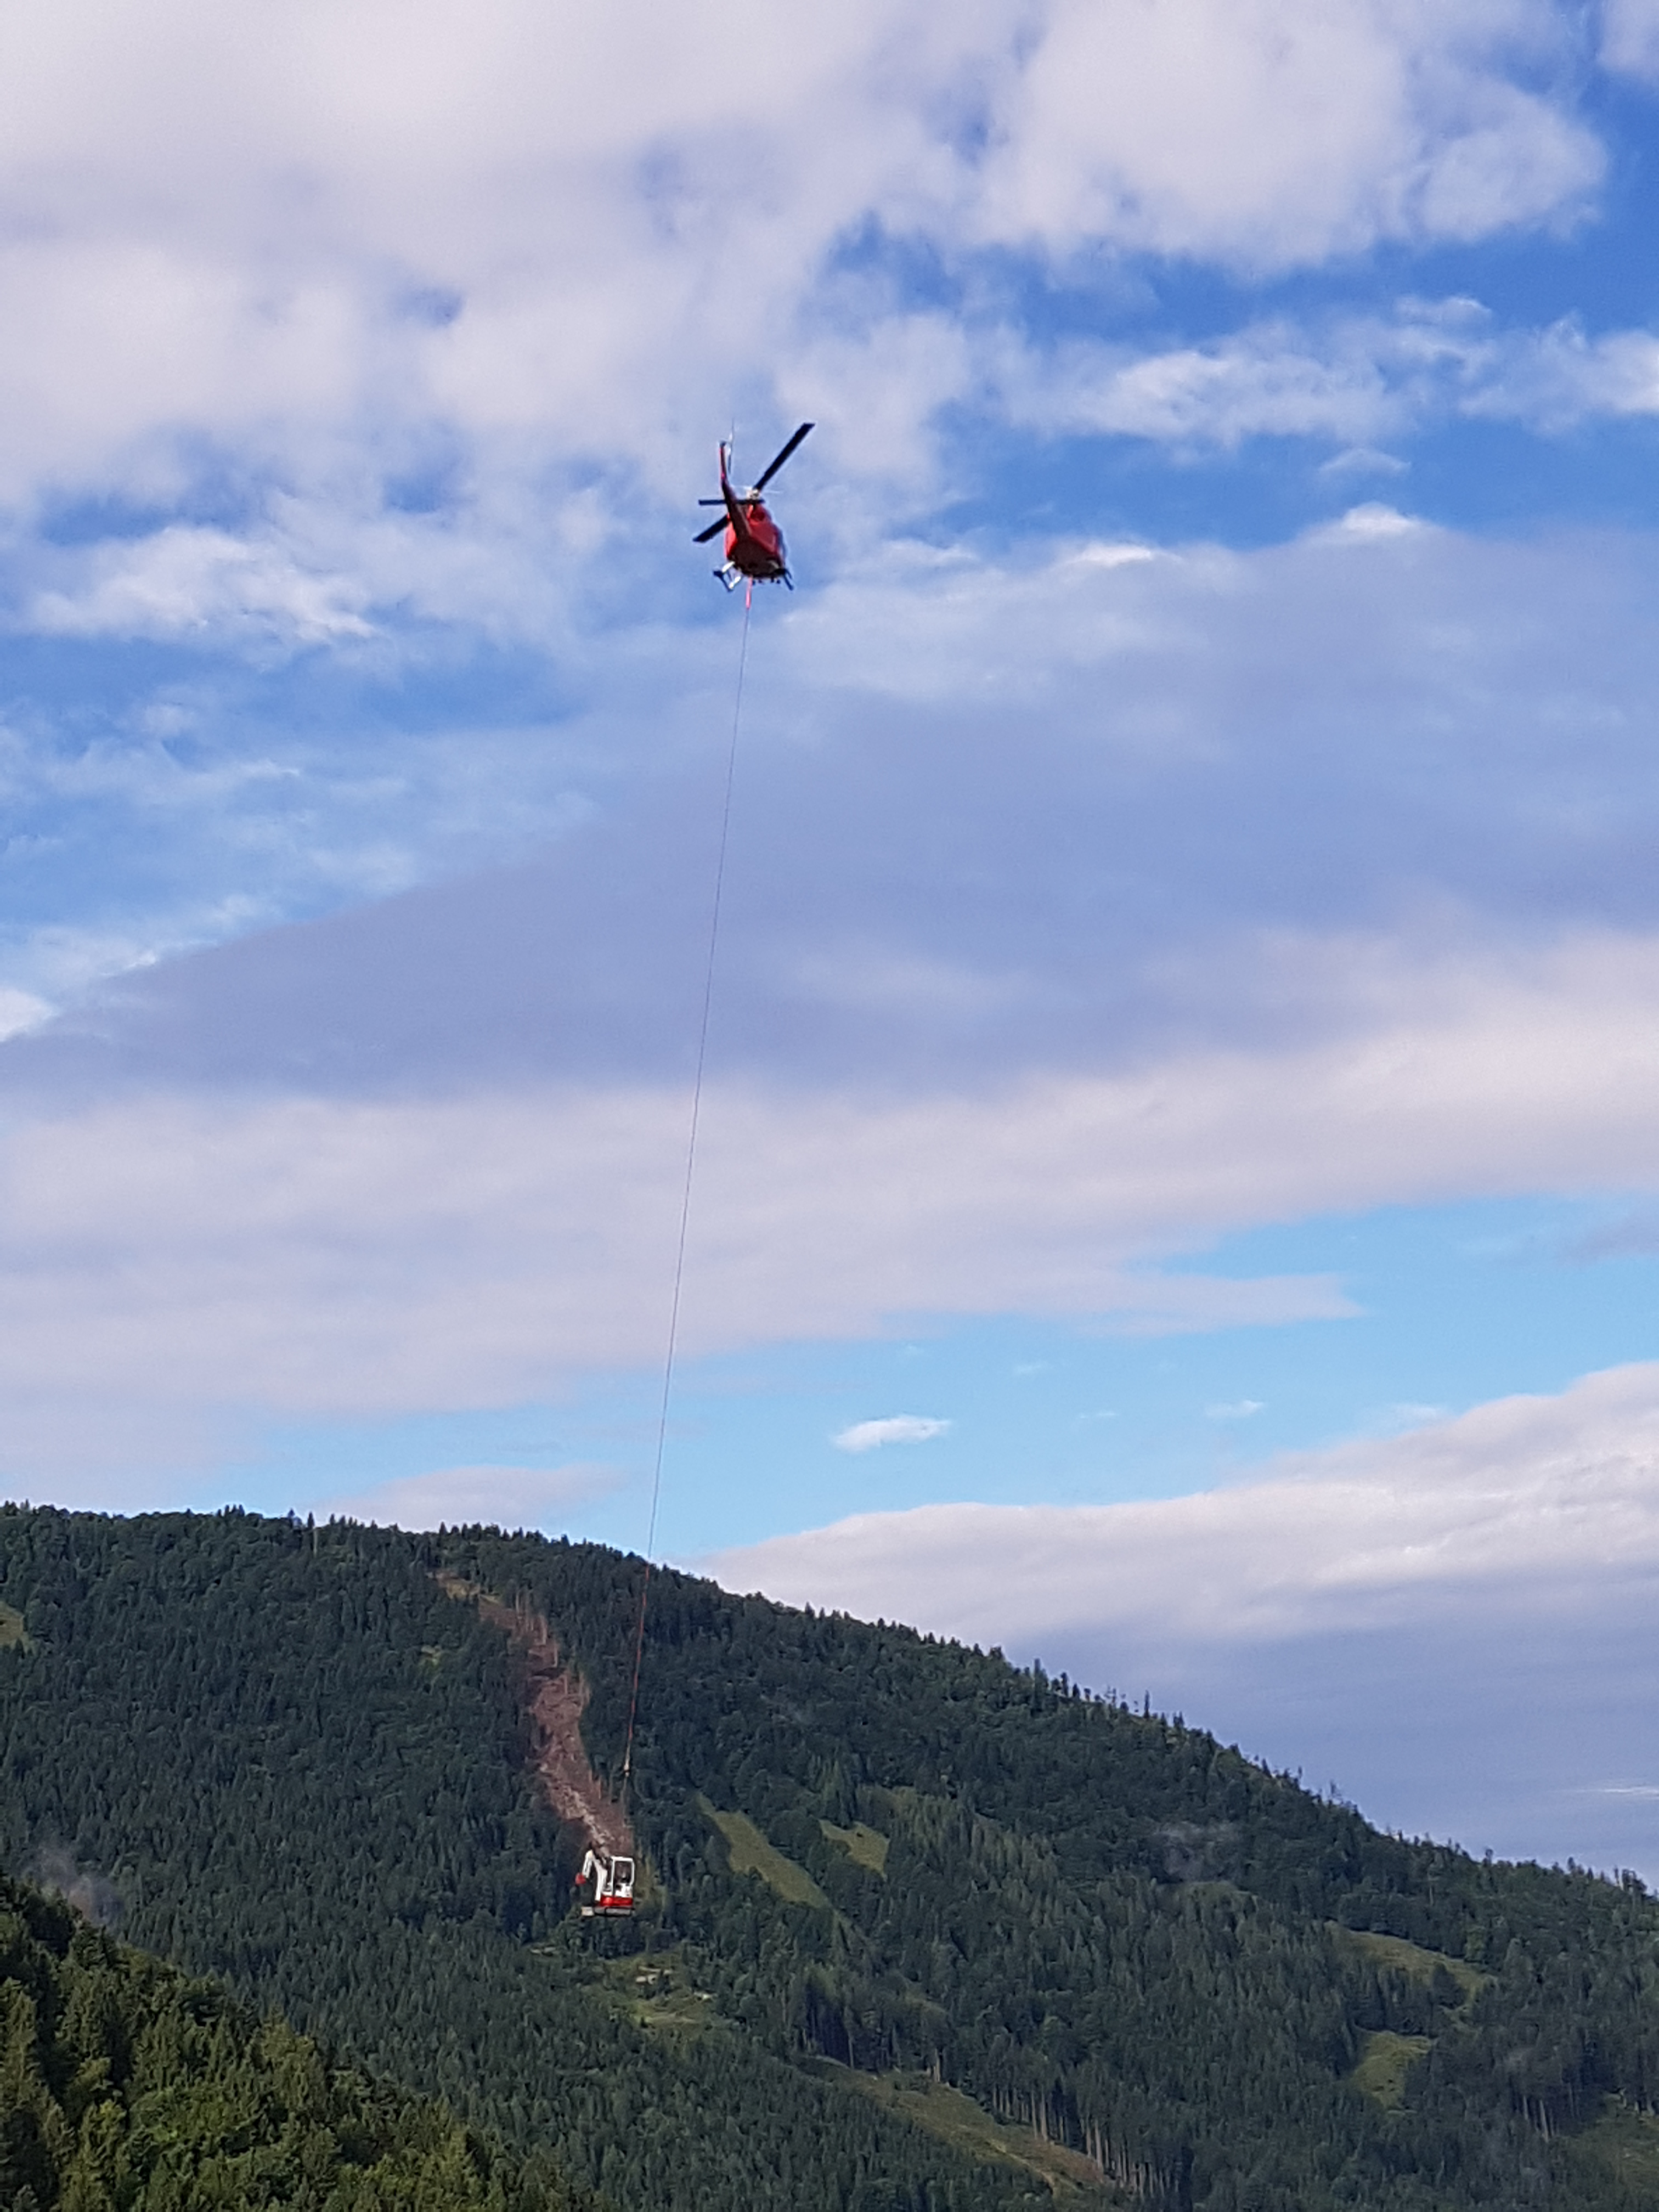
609, 1883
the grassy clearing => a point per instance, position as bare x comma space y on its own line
11, 1630
751, 1853
1385, 2059
1622, 2146
867, 1846
1413, 1960
458, 1586
660, 1992
967, 2127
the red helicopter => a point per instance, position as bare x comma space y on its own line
754, 543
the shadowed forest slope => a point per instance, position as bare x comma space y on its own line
124, 2084
922, 1929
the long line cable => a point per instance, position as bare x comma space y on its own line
685, 1193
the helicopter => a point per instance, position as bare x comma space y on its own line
754, 543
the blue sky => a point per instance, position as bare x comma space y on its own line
1183, 1091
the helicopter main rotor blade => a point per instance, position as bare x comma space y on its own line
711, 502
778, 460
713, 530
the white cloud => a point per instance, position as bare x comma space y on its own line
1372, 520
183, 580
1268, 380
1272, 133
1238, 1409
21, 1011
893, 1429
1570, 377
1363, 460
1525, 1502
1349, 379
1630, 37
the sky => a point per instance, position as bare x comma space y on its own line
1177, 1180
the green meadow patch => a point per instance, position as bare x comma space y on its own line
866, 1846
1385, 2059
751, 1853
1413, 1961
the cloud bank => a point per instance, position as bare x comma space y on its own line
501, 1497
320, 1256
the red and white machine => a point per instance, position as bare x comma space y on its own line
612, 1884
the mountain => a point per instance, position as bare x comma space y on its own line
918, 1929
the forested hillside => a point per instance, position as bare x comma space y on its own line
123, 2084
920, 1929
